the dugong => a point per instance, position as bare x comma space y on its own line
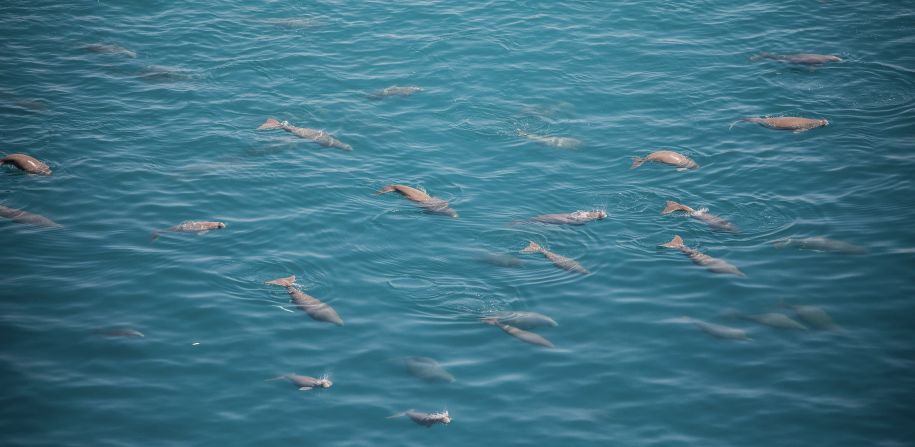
427, 369
575, 218
682, 162
792, 123
720, 331
315, 308
821, 244
425, 419
799, 58
714, 264
26, 163
25, 217
814, 316
318, 136
560, 142
102, 48
772, 319
431, 204
520, 334
305, 383
559, 261
192, 226
396, 91
702, 215
524, 320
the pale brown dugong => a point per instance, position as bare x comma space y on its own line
315, 308
396, 91
26, 163
682, 162
520, 334
574, 218
711, 220
318, 136
425, 419
791, 123
560, 261
799, 58
431, 204
25, 217
191, 226
713, 264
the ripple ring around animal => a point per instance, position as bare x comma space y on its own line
792, 123
318, 136
26, 163
559, 261
431, 204
192, 226
682, 162
713, 264
315, 308
711, 220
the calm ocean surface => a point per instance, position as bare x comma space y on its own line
140, 144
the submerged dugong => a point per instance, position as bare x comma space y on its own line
559, 261
520, 334
192, 226
575, 218
427, 369
25, 217
703, 215
431, 204
305, 383
103, 48
396, 91
26, 163
799, 58
425, 419
524, 320
318, 136
814, 316
771, 319
560, 142
314, 307
720, 331
682, 162
821, 244
792, 123
713, 264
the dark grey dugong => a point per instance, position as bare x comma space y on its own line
192, 226
27, 163
103, 48
821, 244
425, 419
314, 307
25, 217
799, 58
427, 369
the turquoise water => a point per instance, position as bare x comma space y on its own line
141, 144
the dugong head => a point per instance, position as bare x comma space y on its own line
220, 225
324, 382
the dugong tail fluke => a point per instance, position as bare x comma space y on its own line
636, 162
674, 206
271, 123
284, 282
533, 247
676, 242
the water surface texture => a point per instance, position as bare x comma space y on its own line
142, 143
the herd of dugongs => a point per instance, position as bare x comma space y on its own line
516, 324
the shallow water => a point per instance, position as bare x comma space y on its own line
141, 144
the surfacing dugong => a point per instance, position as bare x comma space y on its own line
305, 383
520, 334
192, 226
713, 264
318, 136
799, 58
575, 218
524, 320
431, 204
26, 163
560, 142
314, 307
792, 123
559, 261
682, 162
425, 419
25, 217
703, 215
